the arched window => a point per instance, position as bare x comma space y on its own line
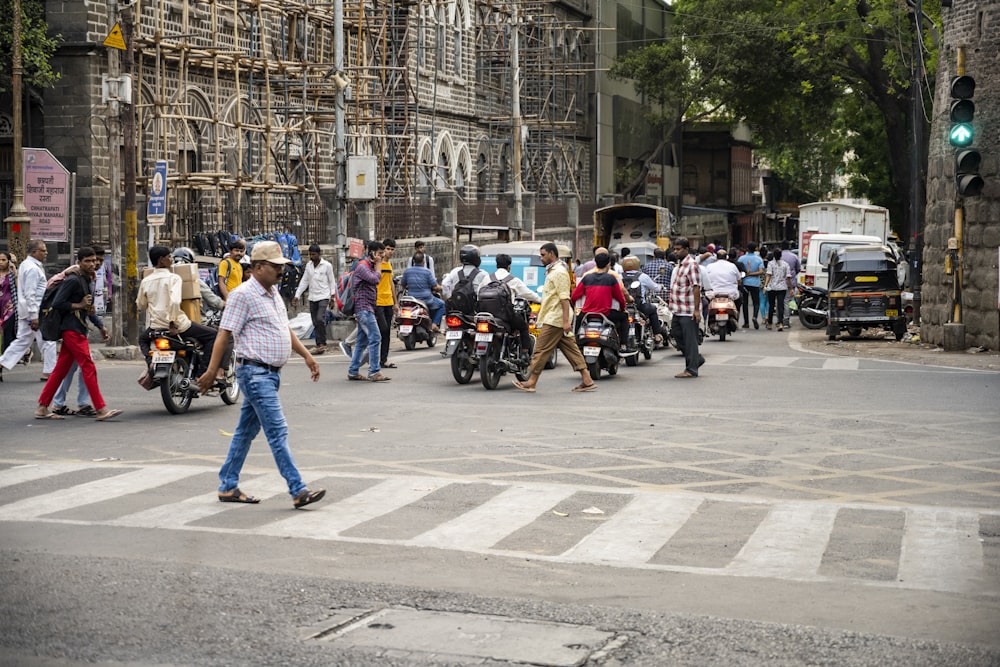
482, 176
457, 32
441, 44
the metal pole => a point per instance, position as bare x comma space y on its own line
516, 111
340, 153
115, 199
130, 288
18, 223
917, 198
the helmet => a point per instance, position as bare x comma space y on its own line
469, 254
183, 255
630, 264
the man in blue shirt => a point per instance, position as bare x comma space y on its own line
420, 283
792, 260
753, 267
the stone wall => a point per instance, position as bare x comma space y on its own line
974, 25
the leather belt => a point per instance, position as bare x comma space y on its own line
260, 364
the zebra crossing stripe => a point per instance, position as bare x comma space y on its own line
30, 473
841, 364
179, 514
637, 531
326, 521
788, 543
775, 362
941, 550
96, 491
498, 517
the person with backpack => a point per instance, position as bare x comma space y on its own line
643, 295
364, 283
74, 302
502, 285
231, 268
30, 292
461, 286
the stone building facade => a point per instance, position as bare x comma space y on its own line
976, 25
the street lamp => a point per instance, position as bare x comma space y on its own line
18, 223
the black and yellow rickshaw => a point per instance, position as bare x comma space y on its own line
864, 292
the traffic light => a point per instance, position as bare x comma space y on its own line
961, 134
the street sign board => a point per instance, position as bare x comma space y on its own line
156, 205
115, 39
46, 195
355, 247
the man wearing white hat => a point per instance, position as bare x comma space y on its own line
256, 319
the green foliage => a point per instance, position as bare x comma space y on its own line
816, 80
37, 46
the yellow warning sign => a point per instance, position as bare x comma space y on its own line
115, 39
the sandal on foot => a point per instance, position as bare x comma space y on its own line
108, 414
390, 365
585, 387
685, 374
319, 350
48, 415
524, 387
237, 496
357, 378
64, 411
378, 377
86, 411
308, 497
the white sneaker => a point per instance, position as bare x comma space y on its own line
345, 349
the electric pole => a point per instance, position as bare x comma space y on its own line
18, 223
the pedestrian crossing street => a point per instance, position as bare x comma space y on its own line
924, 548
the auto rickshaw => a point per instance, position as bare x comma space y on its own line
864, 292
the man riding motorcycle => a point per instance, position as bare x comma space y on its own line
599, 290
210, 301
160, 296
647, 287
517, 289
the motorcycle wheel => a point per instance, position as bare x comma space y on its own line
613, 369
723, 332
595, 370
490, 370
811, 321
631, 360
647, 351
522, 374
462, 366
551, 363
231, 393
432, 341
409, 342
854, 332
176, 400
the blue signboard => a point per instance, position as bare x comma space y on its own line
156, 206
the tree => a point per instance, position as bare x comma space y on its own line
815, 79
37, 46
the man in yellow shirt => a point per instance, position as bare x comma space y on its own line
230, 269
386, 304
555, 324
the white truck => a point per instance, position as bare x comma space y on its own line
829, 217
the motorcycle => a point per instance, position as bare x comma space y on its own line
414, 322
640, 337
723, 318
597, 338
460, 346
498, 347
814, 303
172, 368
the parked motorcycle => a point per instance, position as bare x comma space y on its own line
723, 318
814, 303
174, 360
498, 347
414, 322
460, 346
597, 338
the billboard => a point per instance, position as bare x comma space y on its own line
46, 195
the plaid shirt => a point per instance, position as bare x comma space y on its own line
659, 270
686, 277
259, 323
365, 281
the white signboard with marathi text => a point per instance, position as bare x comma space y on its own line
46, 195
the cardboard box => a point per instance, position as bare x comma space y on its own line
190, 290
146, 270
187, 272
192, 308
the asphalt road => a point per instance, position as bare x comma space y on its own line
786, 507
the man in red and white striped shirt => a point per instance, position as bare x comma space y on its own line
685, 305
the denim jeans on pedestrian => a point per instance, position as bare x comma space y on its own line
82, 395
368, 337
261, 409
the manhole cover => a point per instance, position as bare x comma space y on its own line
472, 637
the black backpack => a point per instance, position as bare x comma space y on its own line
628, 278
463, 297
496, 297
49, 319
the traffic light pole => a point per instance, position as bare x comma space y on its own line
956, 295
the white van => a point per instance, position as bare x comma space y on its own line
816, 267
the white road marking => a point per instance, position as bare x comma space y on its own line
941, 550
788, 543
30, 473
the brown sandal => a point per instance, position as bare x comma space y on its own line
237, 496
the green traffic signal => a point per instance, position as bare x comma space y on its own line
961, 135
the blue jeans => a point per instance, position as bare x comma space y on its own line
82, 395
370, 337
436, 308
261, 409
